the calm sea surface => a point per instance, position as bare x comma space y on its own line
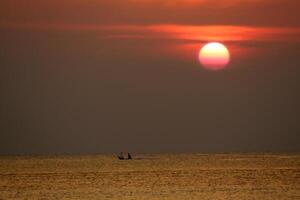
183, 176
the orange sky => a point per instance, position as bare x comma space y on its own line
188, 37
192, 21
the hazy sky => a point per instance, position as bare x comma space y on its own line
99, 76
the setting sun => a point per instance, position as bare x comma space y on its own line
214, 56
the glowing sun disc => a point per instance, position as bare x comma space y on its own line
214, 56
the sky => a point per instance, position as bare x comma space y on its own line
98, 76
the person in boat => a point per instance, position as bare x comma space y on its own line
129, 157
121, 156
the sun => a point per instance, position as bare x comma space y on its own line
214, 56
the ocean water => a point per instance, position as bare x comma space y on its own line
182, 176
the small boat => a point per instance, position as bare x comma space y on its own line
121, 156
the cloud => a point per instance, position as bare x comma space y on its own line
189, 3
171, 31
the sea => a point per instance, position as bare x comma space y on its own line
152, 177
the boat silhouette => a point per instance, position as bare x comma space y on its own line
121, 156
